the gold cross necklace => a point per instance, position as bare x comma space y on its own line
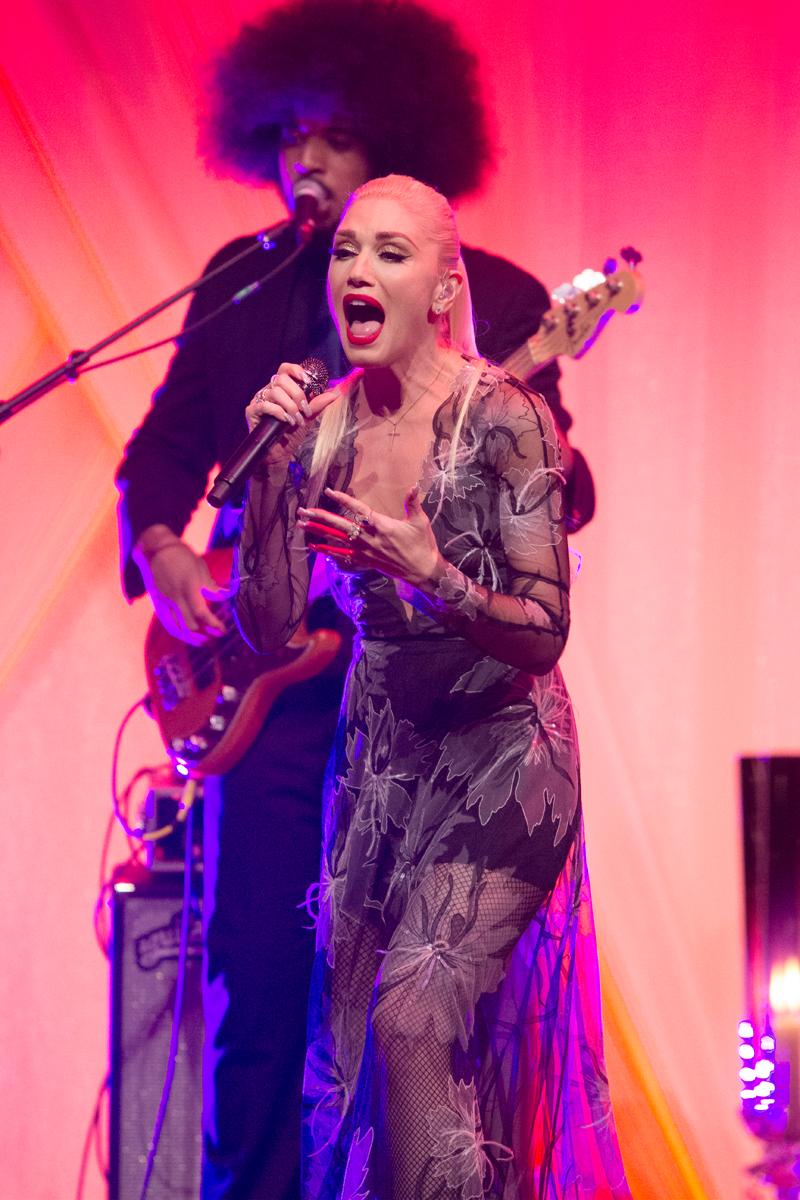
393, 431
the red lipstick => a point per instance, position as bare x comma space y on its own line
366, 314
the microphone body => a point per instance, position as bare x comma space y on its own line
241, 464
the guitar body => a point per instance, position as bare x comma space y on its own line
210, 701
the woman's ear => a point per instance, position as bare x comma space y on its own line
446, 292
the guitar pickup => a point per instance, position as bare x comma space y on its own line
203, 664
171, 682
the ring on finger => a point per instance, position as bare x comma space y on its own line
358, 521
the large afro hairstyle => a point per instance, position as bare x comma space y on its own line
398, 74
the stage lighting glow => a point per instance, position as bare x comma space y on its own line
784, 987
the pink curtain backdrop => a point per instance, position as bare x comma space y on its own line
673, 128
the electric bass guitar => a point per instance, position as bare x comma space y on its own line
210, 701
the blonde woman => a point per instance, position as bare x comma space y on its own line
454, 1048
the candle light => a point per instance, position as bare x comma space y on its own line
784, 1002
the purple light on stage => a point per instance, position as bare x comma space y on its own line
757, 1082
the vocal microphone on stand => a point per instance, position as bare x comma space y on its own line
241, 464
307, 195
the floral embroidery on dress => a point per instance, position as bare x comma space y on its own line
443, 960
382, 758
457, 592
554, 730
484, 674
459, 1149
475, 551
355, 1174
530, 509
331, 1070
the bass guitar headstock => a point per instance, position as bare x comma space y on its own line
580, 311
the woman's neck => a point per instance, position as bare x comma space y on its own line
390, 390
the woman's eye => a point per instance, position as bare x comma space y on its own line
393, 255
342, 251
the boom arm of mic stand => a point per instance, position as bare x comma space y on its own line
78, 359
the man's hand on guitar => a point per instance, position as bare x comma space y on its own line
180, 585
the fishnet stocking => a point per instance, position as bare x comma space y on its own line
451, 947
356, 964
355, 968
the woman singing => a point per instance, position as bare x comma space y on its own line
455, 1047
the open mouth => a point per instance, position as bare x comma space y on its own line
364, 318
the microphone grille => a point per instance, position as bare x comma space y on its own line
318, 376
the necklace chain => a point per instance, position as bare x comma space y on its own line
393, 434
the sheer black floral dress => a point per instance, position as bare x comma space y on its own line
455, 1048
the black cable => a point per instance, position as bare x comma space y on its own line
115, 799
236, 298
101, 1151
180, 987
103, 889
91, 1136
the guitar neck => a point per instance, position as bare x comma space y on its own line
527, 360
574, 321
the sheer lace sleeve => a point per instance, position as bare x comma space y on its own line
523, 619
272, 565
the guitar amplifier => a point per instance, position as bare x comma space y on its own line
146, 920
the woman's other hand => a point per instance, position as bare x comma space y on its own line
362, 539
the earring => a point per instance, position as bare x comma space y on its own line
437, 308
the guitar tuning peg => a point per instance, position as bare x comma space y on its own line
631, 256
609, 266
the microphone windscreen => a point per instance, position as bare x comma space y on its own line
318, 376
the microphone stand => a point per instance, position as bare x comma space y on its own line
78, 360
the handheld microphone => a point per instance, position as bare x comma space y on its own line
242, 462
307, 195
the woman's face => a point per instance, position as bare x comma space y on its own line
383, 277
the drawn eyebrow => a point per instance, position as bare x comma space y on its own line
391, 237
386, 236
